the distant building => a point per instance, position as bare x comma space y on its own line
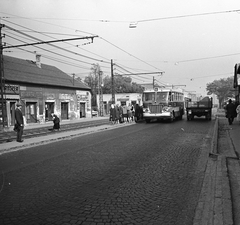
120, 99
43, 90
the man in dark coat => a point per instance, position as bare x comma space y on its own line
19, 122
230, 111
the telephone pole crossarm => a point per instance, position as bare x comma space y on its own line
47, 42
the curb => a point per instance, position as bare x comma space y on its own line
215, 205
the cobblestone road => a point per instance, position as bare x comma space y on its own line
141, 174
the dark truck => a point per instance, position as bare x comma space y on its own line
199, 108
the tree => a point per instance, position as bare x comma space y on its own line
121, 85
223, 88
92, 81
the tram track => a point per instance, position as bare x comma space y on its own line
47, 130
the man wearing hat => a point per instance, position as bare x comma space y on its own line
19, 122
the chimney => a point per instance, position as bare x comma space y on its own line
38, 60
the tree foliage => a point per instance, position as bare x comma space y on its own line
222, 88
121, 84
92, 81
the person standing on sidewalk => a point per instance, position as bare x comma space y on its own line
230, 111
19, 122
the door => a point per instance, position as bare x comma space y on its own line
49, 109
31, 116
82, 110
64, 110
12, 113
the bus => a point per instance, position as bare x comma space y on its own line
163, 104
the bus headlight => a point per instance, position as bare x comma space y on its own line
146, 110
166, 109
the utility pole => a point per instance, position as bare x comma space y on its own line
100, 93
2, 78
153, 82
113, 88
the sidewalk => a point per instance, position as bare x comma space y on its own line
219, 201
56, 136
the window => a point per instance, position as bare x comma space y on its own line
161, 96
148, 96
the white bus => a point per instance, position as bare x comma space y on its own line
163, 104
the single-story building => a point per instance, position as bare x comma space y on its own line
42, 89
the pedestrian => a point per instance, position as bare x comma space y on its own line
120, 114
238, 113
133, 112
129, 112
112, 114
137, 113
230, 111
125, 113
117, 114
19, 122
56, 122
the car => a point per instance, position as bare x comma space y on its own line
94, 113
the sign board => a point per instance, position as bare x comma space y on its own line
11, 89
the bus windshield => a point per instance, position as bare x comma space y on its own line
148, 96
162, 96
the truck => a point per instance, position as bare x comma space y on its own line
199, 108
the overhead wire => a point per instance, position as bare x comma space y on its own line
116, 47
123, 21
52, 37
56, 46
61, 55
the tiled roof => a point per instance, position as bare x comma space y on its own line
26, 71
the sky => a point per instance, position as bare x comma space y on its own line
183, 43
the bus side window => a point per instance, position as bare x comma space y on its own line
170, 96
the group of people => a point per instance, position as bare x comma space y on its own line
232, 110
19, 122
124, 113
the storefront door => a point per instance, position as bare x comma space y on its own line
82, 110
64, 110
12, 113
31, 115
49, 109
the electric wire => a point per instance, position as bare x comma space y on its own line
54, 38
123, 21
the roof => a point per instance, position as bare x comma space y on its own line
26, 71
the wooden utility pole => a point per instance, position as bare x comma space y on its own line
113, 88
2, 78
100, 93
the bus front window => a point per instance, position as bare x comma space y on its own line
161, 96
148, 96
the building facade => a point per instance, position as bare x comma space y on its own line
43, 90
120, 99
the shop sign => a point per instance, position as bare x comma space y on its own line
82, 98
123, 99
65, 96
11, 89
31, 94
